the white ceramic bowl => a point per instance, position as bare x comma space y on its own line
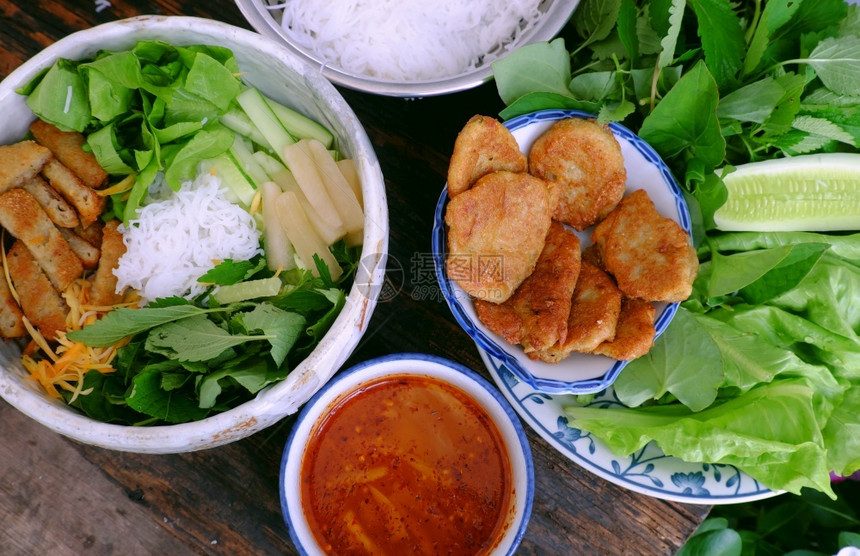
579, 373
287, 79
261, 18
421, 365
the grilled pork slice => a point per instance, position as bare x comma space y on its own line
24, 218
104, 283
88, 203
59, 211
19, 162
67, 147
41, 303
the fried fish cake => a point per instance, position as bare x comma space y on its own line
584, 158
536, 314
649, 255
593, 315
634, 334
496, 232
483, 146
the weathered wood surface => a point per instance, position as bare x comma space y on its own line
60, 497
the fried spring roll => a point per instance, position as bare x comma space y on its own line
88, 203
104, 283
67, 147
59, 211
41, 303
21, 161
24, 218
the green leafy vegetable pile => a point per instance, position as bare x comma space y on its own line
152, 108
706, 82
190, 358
760, 368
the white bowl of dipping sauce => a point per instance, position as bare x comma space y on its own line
407, 454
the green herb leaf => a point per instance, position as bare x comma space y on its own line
837, 62
148, 397
194, 338
686, 120
595, 19
122, 322
539, 67
282, 328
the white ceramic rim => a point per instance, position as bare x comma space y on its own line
261, 19
414, 364
283, 398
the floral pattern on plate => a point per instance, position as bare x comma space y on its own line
648, 471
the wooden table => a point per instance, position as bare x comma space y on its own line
60, 497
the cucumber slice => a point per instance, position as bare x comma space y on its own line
252, 289
239, 189
300, 126
818, 192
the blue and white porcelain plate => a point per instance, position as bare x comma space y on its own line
648, 471
579, 373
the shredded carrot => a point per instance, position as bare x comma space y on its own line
64, 367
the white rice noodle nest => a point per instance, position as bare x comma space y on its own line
407, 40
181, 235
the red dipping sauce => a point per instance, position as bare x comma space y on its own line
406, 465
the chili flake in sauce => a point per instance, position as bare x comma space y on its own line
406, 465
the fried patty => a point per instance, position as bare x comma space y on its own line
584, 158
496, 232
483, 146
536, 314
634, 334
649, 255
593, 315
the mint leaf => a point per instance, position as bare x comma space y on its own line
539, 67
253, 377
776, 13
722, 39
195, 338
282, 328
626, 26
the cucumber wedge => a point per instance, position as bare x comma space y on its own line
818, 192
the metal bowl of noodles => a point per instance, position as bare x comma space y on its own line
427, 48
